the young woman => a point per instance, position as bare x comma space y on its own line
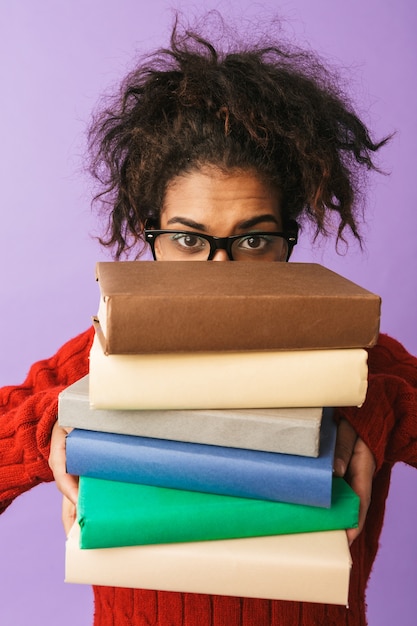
228, 152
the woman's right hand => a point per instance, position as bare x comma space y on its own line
69, 514
66, 483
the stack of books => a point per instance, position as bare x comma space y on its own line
202, 436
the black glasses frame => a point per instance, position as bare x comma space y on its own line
224, 243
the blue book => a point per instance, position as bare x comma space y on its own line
211, 469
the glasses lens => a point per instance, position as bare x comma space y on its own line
260, 247
178, 246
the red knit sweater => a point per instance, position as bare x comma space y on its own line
387, 422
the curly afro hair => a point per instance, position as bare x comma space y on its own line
267, 108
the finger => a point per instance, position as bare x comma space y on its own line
69, 514
360, 477
345, 443
66, 483
68, 486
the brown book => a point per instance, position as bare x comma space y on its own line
176, 306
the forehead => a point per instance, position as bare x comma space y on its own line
211, 188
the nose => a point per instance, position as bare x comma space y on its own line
220, 255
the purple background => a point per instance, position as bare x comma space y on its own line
56, 59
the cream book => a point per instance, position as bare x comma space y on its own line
308, 567
224, 380
288, 431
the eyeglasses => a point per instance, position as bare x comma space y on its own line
185, 245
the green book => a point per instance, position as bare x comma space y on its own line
116, 514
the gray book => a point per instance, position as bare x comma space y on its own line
284, 430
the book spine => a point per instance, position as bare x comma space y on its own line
310, 567
240, 380
114, 514
287, 431
248, 323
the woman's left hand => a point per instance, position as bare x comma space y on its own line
354, 461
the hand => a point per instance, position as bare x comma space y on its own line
69, 514
354, 461
66, 483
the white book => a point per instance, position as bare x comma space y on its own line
223, 380
308, 567
287, 431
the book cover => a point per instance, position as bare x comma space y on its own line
210, 469
148, 307
288, 431
114, 514
224, 380
308, 567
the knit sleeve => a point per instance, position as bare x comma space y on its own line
28, 413
387, 421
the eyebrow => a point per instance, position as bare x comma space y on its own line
250, 223
187, 222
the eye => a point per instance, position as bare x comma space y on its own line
255, 242
189, 242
